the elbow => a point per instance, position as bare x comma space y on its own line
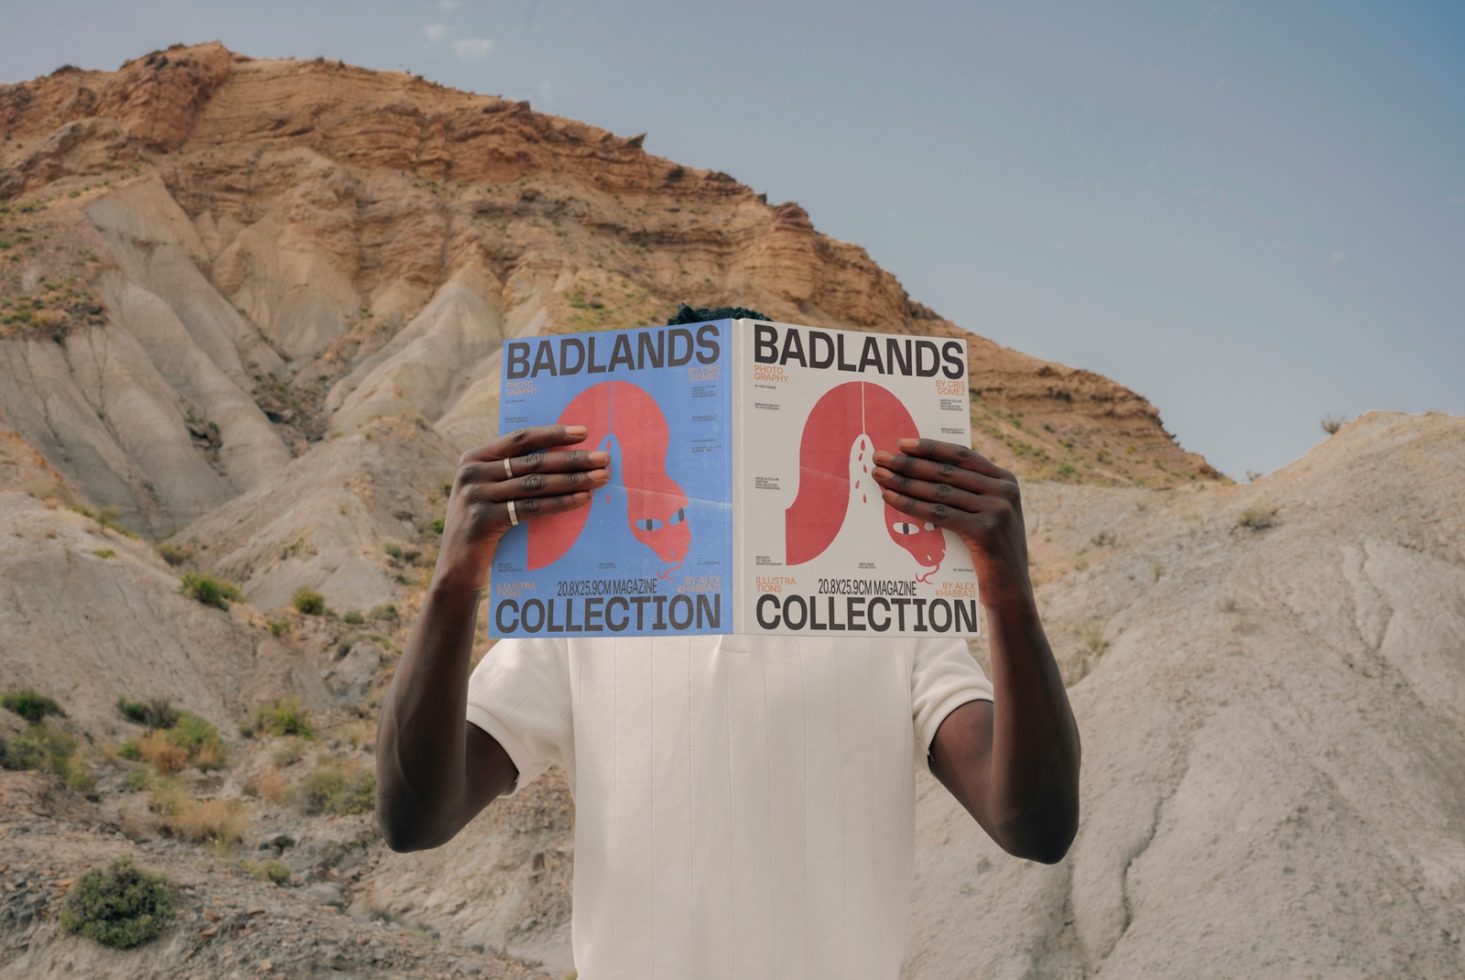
397, 837
401, 829
1047, 849
405, 839
397, 843
1045, 837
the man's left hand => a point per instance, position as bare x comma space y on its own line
956, 488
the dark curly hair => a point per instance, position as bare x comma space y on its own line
700, 314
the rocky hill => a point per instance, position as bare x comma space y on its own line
250, 314
212, 262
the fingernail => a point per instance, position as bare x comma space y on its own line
881, 456
576, 430
881, 473
600, 459
908, 443
600, 476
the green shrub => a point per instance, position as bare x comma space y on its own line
181, 729
353, 617
47, 749
437, 525
309, 601
385, 611
174, 555
121, 906
135, 779
157, 713
279, 627
30, 705
208, 590
103, 552
394, 551
335, 790
108, 519
273, 870
200, 739
283, 717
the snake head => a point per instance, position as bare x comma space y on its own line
925, 541
670, 536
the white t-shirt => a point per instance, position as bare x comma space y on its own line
744, 806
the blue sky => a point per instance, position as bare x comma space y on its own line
1253, 214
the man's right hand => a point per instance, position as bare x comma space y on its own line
545, 480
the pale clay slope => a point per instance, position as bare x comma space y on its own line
87, 629
323, 518
109, 406
1274, 768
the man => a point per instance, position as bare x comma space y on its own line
744, 805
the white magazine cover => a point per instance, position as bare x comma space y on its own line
816, 548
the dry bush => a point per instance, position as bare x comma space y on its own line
211, 755
137, 825
221, 821
272, 870
289, 753
275, 787
157, 749
1258, 518
337, 790
200, 821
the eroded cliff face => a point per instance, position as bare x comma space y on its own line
287, 249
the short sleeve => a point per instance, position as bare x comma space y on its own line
944, 676
520, 694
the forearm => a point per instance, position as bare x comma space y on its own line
421, 742
1034, 764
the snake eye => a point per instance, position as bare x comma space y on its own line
650, 524
904, 527
679, 517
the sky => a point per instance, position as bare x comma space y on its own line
1253, 214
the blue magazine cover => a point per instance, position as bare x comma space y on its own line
652, 553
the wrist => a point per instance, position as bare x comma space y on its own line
1017, 600
450, 588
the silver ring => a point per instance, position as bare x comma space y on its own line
508, 470
513, 517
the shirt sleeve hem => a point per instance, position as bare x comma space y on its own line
517, 753
945, 707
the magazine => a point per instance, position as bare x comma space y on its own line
740, 498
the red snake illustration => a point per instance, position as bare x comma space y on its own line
870, 413
656, 509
